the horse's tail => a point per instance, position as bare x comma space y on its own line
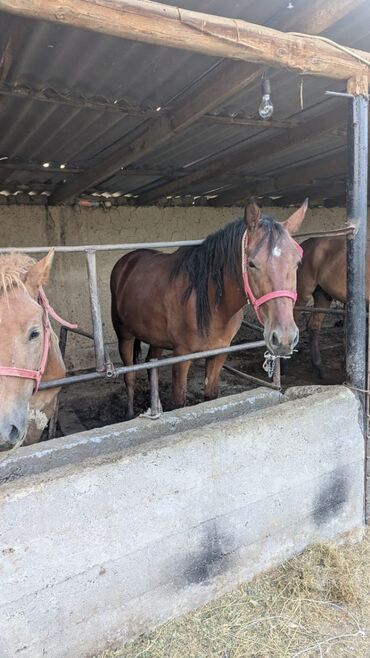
137, 350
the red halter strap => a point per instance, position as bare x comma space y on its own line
37, 375
274, 294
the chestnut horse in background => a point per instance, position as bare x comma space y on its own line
323, 274
24, 411
192, 300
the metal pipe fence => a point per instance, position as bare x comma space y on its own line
103, 364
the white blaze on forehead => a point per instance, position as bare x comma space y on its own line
276, 252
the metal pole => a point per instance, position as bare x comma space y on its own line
95, 311
155, 403
356, 245
153, 363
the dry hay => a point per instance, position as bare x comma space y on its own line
314, 605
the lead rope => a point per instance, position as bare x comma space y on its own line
269, 362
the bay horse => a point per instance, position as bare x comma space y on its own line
29, 350
192, 299
323, 275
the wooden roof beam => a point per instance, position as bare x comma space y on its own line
254, 152
221, 83
230, 78
220, 36
83, 102
300, 174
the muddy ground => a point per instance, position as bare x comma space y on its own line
99, 403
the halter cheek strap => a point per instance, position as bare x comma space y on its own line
274, 294
37, 375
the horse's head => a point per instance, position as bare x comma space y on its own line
271, 261
21, 339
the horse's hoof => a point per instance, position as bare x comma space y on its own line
129, 417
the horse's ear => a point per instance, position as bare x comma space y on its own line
252, 215
38, 275
293, 223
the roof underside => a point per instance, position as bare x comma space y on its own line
71, 97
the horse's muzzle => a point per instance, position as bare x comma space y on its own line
281, 342
12, 431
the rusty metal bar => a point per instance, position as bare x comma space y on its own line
95, 311
155, 363
244, 375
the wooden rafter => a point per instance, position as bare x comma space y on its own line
220, 85
165, 25
254, 152
297, 175
82, 102
233, 76
224, 82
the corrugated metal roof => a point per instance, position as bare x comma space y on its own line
50, 58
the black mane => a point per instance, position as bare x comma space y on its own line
219, 253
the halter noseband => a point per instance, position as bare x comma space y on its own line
37, 375
274, 294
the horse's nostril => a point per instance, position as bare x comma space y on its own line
275, 342
14, 434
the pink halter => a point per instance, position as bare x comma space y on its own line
256, 303
37, 375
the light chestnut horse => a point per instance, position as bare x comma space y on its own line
24, 413
323, 275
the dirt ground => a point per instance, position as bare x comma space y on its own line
102, 402
315, 605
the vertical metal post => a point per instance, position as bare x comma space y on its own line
367, 439
95, 310
356, 245
155, 403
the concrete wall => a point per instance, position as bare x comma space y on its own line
108, 533
33, 226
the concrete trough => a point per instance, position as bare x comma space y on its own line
107, 533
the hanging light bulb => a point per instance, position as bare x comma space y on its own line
266, 107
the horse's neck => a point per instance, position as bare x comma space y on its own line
55, 367
233, 298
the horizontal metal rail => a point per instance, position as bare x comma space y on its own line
317, 309
127, 246
149, 365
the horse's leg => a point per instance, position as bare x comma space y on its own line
154, 353
213, 369
126, 350
321, 300
179, 381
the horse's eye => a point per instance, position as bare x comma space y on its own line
251, 264
34, 333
